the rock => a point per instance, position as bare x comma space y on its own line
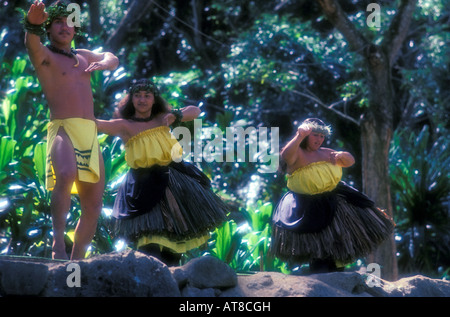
416, 286
115, 274
190, 291
232, 292
338, 284
273, 284
180, 276
21, 278
351, 283
205, 272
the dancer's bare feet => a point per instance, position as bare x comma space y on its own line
59, 253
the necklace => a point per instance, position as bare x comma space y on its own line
73, 53
141, 119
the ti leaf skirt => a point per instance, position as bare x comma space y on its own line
342, 225
170, 205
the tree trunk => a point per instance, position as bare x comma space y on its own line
376, 134
94, 14
376, 186
136, 12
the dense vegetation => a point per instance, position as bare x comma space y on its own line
250, 64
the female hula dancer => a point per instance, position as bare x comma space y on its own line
165, 205
321, 219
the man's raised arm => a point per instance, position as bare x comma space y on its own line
34, 29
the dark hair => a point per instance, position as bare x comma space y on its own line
322, 128
126, 108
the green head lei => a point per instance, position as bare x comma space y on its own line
144, 85
57, 10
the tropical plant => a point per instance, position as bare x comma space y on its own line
246, 247
420, 181
26, 216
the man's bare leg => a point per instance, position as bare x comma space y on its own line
64, 165
91, 201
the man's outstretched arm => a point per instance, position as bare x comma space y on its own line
100, 61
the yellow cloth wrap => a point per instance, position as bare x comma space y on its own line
175, 246
152, 146
83, 135
315, 178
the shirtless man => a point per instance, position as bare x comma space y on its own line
64, 76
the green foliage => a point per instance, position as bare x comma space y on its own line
257, 239
102, 84
39, 159
420, 182
226, 242
175, 84
22, 164
7, 145
246, 247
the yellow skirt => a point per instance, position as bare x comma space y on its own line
83, 135
174, 246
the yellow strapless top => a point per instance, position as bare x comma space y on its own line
152, 146
314, 178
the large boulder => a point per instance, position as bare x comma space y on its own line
416, 286
22, 278
126, 273
204, 277
115, 274
272, 284
338, 284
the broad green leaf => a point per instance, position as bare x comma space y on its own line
7, 145
40, 156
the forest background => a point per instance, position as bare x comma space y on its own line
382, 86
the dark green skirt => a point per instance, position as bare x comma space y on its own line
174, 201
342, 225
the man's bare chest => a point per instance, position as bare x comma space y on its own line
65, 68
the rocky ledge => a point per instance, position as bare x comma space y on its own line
133, 274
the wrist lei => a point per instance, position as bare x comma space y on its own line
178, 116
37, 29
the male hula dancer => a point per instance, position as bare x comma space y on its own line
73, 153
